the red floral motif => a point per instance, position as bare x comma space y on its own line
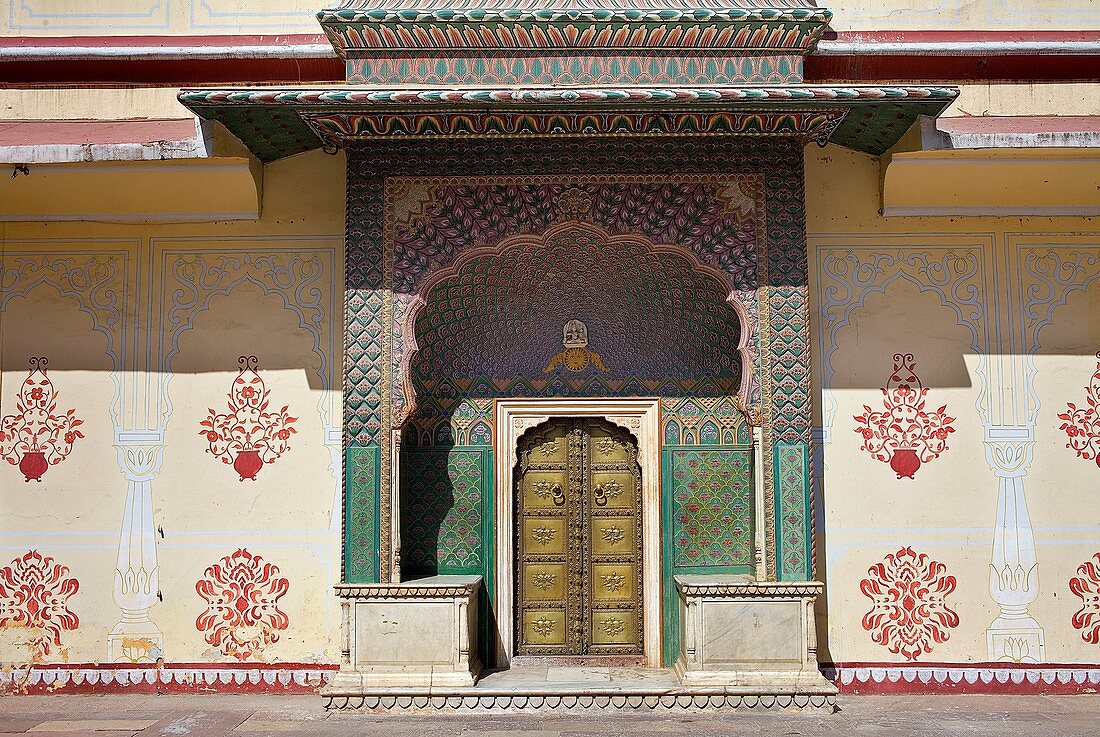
1086, 585
248, 435
242, 614
34, 593
36, 436
905, 434
908, 612
1082, 424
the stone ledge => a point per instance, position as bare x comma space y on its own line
578, 703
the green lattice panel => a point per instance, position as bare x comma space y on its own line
792, 511
445, 513
711, 491
361, 521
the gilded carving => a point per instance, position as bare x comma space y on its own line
613, 581
603, 493
612, 534
543, 580
543, 626
542, 535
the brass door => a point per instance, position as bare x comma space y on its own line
579, 540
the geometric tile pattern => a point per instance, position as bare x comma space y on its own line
712, 499
361, 523
442, 513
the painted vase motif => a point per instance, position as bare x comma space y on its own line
250, 434
37, 436
905, 434
1082, 424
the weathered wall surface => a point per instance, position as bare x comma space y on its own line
213, 17
139, 523
959, 343
999, 316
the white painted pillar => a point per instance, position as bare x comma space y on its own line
136, 638
1013, 573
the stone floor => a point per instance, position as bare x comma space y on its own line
287, 716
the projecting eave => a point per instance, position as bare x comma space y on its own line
275, 123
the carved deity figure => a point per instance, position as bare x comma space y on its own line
576, 356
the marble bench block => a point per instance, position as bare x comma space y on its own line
748, 635
415, 634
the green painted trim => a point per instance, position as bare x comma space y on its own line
362, 465
782, 573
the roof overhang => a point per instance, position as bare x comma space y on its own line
275, 123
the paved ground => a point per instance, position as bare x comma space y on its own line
286, 716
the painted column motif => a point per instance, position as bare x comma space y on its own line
136, 638
1013, 572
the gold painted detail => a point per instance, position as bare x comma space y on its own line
543, 580
542, 535
607, 446
613, 534
547, 490
543, 626
613, 581
612, 626
549, 448
605, 492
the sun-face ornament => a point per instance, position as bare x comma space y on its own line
576, 357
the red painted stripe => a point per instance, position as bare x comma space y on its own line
283, 39
81, 132
948, 69
290, 39
999, 679
171, 73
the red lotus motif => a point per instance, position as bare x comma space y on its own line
249, 434
1086, 585
242, 613
34, 594
1082, 424
904, 434
37, 436
908, 613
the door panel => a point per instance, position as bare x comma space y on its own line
578, 551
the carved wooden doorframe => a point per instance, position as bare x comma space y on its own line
640, 418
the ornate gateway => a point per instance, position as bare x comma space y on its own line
579, 540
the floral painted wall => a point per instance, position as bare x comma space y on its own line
956, 370
955, 362
169, 451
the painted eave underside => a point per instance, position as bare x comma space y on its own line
275, 122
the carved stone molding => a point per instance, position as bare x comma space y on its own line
572, 703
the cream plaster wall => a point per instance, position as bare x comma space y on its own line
197, 17
968, 297
182, 301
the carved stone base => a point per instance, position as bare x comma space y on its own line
749, 637
576, 703
415, 635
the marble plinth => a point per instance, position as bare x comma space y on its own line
749, 636
418, 634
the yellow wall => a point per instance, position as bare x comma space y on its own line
999, 314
